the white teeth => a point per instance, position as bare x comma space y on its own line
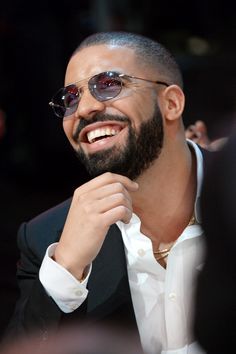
97, 133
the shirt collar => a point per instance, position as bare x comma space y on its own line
199, 160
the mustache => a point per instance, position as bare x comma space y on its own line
98, 118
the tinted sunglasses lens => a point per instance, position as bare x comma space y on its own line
59, 111
65, 101
70, 98
105, 86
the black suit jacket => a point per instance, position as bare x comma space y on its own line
109, 299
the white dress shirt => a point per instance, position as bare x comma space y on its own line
162, 298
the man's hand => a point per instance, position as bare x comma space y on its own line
95, 206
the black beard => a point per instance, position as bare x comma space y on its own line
135, 157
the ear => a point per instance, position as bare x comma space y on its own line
173, 101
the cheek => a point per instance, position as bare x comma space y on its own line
68, 127
133, 111
139, 108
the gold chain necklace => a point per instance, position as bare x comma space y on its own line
162, 254
192, 221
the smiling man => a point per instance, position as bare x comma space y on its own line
126, 249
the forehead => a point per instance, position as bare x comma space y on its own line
98, 58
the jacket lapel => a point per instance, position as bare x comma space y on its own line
109, 293
109, 299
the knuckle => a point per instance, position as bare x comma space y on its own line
81, 197
122, 210
108, 175
76, 192
118, 186
120, 197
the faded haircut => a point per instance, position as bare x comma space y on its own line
147, 50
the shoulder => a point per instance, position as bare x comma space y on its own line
54, 216
207, 155
43, 230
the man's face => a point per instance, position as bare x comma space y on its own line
123, 135
136, 155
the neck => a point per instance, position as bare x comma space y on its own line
166, 195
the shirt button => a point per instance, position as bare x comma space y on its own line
172, 296
141, 252
78, 292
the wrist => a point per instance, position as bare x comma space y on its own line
77, 271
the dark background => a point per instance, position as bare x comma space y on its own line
37, 166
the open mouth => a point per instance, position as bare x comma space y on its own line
102, 133
92, 134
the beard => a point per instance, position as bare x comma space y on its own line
131, 160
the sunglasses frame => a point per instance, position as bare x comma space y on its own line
91, 86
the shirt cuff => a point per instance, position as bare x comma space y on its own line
67, 292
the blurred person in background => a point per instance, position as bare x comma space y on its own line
215, 313
198, 133
77, 340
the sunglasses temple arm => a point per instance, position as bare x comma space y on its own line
54, 105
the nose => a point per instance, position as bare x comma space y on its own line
88, 106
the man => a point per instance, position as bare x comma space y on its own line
127, 247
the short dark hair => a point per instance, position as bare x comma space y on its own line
149, 51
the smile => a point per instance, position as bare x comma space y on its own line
100, 131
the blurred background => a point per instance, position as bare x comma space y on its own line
37, 166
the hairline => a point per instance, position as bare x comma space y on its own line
148, 52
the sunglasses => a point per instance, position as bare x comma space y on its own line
103, 87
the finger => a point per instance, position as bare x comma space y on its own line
120, 213
108, 178
113, 201
106, 191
